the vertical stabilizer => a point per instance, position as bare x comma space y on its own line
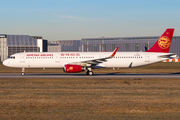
163, 43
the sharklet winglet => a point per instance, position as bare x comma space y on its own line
114, 52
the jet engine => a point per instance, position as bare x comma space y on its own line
70, 68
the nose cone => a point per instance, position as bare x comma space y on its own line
9, 63
6, 63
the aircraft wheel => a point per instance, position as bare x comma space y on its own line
89, 72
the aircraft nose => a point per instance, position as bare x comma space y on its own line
6, 63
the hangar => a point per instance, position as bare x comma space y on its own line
10, 44
128, 44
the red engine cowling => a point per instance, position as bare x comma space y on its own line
70, 68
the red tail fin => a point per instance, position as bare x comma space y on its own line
163, 43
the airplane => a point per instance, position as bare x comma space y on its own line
73, 62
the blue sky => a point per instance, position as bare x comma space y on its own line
76, 19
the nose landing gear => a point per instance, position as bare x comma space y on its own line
23, 72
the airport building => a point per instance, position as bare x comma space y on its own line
10, 44
125, 44
64, 46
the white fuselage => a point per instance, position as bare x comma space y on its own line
59, 59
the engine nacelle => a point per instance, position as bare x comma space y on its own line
70, 68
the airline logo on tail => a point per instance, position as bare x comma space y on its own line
164, 42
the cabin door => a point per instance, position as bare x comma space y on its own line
147, 57
22, 57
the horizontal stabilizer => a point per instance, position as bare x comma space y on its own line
170, 56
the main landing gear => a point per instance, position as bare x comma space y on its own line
23, 72
89, 71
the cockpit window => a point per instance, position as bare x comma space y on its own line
12, 57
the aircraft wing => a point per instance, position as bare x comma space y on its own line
95, 61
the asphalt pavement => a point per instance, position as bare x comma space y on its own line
95, 76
